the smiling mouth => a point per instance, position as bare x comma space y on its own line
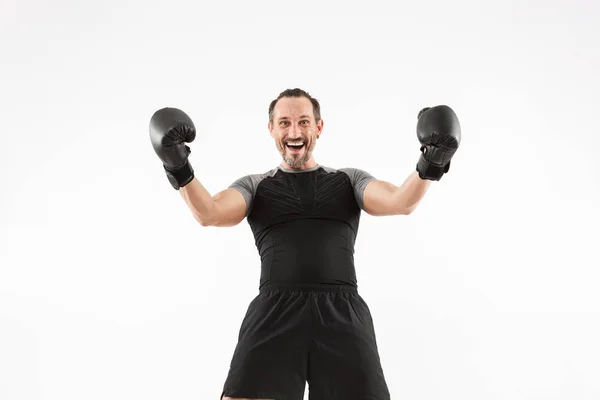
295, 145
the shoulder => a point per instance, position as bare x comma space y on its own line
248, 184
359, 179
356, 175
251, 181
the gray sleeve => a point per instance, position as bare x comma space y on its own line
247, 187
360, 179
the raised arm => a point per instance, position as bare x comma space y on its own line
170, 130
226, 208
383, 198
439, 132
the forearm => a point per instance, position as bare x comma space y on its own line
411, 192
199, 200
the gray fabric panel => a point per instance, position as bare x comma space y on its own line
247, 186
360, 179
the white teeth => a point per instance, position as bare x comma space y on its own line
295, 144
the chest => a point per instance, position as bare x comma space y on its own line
326, 195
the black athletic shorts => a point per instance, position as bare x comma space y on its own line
320, 335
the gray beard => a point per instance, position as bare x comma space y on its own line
296, 162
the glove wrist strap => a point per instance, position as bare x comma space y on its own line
431, 171
181, 176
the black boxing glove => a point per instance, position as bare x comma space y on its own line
438, 130
170, 129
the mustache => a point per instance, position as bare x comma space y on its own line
304, 140
300, 139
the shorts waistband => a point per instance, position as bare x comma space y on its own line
298, 287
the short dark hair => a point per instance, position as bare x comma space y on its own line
296, 93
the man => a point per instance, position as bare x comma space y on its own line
308, 323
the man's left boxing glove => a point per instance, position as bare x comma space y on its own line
438, 130
170, 129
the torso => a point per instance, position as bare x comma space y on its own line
305, 223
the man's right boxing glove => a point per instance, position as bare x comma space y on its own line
438, 130
170, 129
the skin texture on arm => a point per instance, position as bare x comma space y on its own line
383, 198
226, 208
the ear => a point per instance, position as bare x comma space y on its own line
320, 128
270, 127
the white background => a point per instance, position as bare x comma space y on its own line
109, 289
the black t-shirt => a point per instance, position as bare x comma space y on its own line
305, 223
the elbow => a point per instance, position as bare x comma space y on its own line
407, 210
208, 217
205, 220
403, 204
410, 210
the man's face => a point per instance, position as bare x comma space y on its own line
295, 131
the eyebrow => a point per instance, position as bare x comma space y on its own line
301, 117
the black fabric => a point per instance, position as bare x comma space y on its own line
305, 226
320, 334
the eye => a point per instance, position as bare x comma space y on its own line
282, 123
305, 122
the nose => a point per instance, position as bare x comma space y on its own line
294, 132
